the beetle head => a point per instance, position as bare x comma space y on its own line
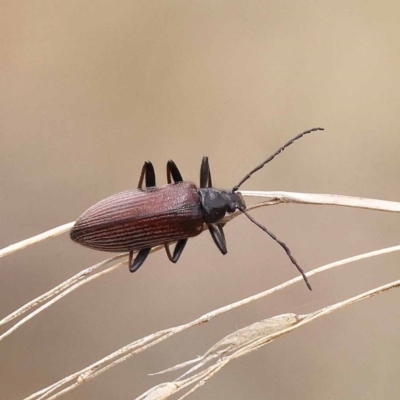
216, 203
233, 200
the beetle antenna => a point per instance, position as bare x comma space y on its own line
235, 188
279, 242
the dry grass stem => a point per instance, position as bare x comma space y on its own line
72, 381
236, 340
36, 239
89, 274
327, 200
253, 338
273, 198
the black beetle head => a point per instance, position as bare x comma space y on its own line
233, 200
216, 203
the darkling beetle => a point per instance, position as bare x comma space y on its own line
139, 219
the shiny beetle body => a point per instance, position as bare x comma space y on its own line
142, 218
137, 220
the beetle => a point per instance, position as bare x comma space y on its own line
147, 216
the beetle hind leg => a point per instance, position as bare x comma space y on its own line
139, 260
218, 235
148, 174
173, 172
177, 251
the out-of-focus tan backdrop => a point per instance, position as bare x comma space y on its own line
90, 90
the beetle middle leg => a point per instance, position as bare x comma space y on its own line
177, 251
139, 260
173, 172
149, 174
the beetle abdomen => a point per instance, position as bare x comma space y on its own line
141, 218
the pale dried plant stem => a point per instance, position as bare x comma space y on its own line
36, 239
273, 198
142, 344
85, 276
57, 298
327, 200
58, 289
203, 376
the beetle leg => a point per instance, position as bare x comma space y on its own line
148, 172
130, 258
218, 236
177, 251
205, 174
221, 230
150, 175
139, 260
173, 172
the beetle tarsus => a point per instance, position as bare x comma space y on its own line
139, 260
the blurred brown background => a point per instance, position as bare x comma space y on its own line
90, 90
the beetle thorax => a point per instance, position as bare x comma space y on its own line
216, 203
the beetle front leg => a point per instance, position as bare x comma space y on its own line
177, 251
218, 236
149, 174
173, 172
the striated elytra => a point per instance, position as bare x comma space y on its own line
150, 215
